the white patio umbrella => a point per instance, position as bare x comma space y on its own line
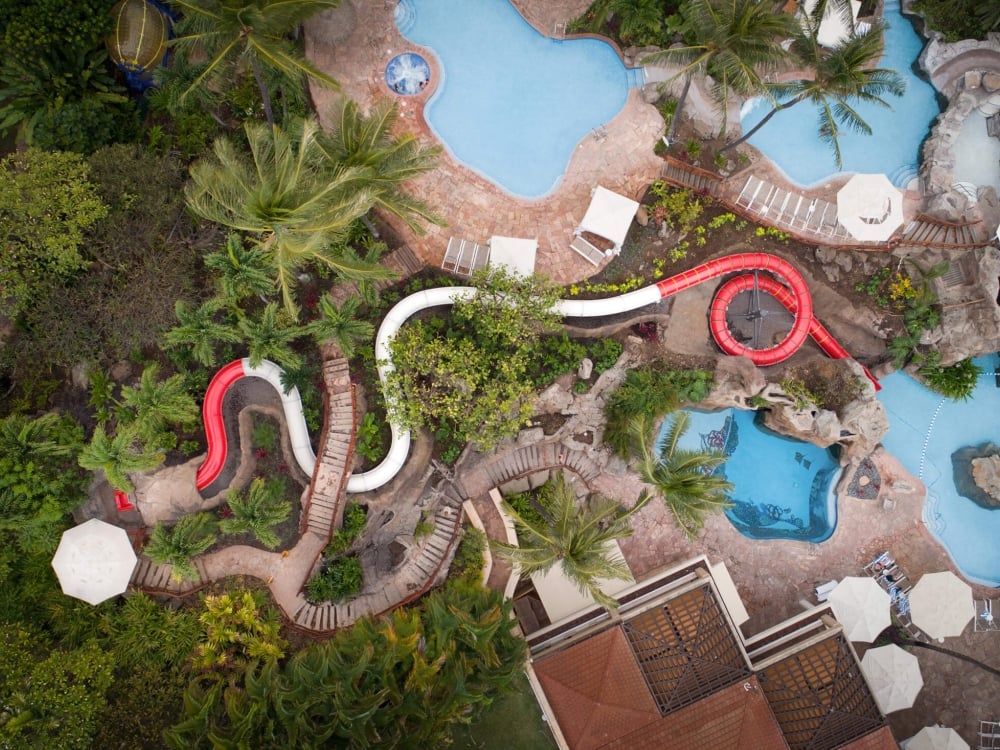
941, 604
870, 207
894, 677
862, 607
936, 738
94, 561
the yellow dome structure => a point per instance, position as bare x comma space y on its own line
139, 41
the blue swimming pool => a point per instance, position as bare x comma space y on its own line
928, 434
512, 104
791, 139
783, 488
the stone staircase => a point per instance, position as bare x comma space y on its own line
498, 470
925, 231
425, 567
689, 176
324, 507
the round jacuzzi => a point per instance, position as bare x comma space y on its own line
407, 74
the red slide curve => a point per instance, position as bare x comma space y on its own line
215, 431
793, 294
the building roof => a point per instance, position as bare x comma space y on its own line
597, 690
734, 718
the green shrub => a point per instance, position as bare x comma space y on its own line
956, 381
338, 580
650, 392
468, 563
554, 356
604, 353
800, 394
355, 518
265, 434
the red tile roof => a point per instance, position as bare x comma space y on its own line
734, 718
596, 690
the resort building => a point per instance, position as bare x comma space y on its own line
671, 668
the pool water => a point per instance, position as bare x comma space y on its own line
925, 431
783, 488
791, 138
512, 104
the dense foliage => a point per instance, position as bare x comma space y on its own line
468, 376
402, 680
960, 19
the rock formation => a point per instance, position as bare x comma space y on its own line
986, 474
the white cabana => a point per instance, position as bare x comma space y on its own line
870, 207
515, 254
609, 216
833, 28
894, 677
94, 561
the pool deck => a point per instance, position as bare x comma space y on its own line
474, 208
772, 576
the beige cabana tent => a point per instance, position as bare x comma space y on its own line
609, 216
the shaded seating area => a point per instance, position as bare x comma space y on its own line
784, 208
891, 577
608, 217
464, 257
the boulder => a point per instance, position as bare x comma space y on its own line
736, 381
586, 368
986, 474
817, 426
170, 493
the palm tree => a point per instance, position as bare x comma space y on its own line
258, 510
382, 161
733, 41
201, 330
254, 31
23, 439
243, 271
156, 405
289, 196
176, 545
575, 538
270, 336
117, 456
841, 75
340, 326
685, 479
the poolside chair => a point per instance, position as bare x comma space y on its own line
749, 192
989, 735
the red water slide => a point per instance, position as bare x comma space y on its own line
787, 286
215, 430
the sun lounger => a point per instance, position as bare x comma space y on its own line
749, 192
588, 251
824, 589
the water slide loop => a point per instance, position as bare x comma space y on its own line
785, 284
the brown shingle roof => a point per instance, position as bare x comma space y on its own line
733, 718
596, 690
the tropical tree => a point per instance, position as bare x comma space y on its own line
470, 377
638, 20
153, 405
842, 75
178, 544
47, 202
402, 680
288, 196
39, 478
340, 325
736, 42
239, 632
242, 271
269, 335
258, 510
576, 538
383, 161
118, 455
685, 479
201, 330
253, 32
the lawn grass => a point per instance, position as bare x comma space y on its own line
514, 720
